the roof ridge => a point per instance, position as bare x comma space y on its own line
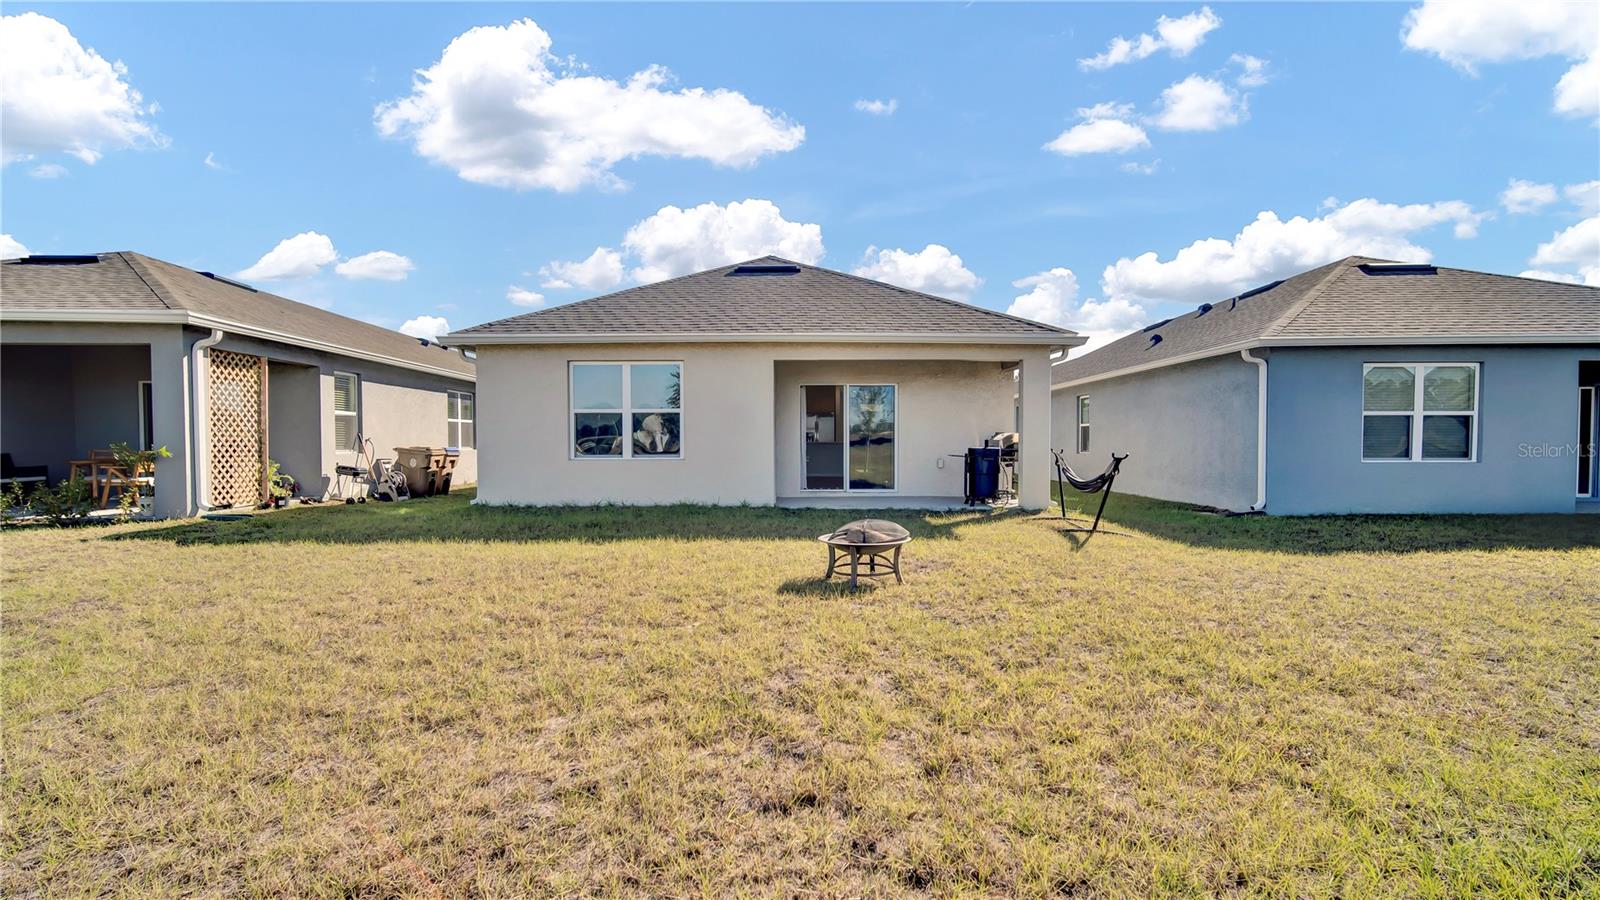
958, 303
1335, 269
150, 278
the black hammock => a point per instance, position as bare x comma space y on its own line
1099, 484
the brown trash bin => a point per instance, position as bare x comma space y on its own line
423, 468
447, 469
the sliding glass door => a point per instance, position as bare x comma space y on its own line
849, 437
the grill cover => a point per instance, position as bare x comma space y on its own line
870, 531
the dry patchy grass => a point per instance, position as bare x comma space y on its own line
443, 700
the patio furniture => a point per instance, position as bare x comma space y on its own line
1099, 484
90, 469
10, 472
876, 540
116, 475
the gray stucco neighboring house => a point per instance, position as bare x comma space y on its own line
121, 347
1361, 386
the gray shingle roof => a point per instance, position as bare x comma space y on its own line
1344, 303
127, 281
812, 301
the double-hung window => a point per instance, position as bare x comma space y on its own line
346, 411
1083, 423
459, 415
1419, 412
626, 410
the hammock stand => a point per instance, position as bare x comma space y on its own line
1099, 484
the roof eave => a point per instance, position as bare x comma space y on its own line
185, 317
470, 339
1331, 341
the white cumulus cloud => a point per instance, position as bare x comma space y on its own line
1575, 247
1198, 103
521, 296
1585, 196
11, 248
48, 170
297, 257
931, 270
1177, 36
1052, 298
676, 241
1270, 248
1590, 277
1522, 196
1467, 33
602, 270
1105, 128
500, 109
1252, 70
379, 265
61, 97
428, 327
878, 107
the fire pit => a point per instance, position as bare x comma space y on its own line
876, 541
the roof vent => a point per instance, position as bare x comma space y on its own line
1399, 269
1202, 309
38, 260
1154, 325
238, 284
1155, 339
764, 269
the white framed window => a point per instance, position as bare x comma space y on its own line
1419, 412
625, 410
460, 415
346, 411
1083, 423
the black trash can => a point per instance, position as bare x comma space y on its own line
983, 474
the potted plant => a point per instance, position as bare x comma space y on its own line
280, 485
136, 464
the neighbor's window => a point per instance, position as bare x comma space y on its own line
459, 414
1083, 424
1419, 411
627, 410
346, 411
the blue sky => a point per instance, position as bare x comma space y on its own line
948, 183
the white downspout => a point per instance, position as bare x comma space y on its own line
198, 384
1261, 429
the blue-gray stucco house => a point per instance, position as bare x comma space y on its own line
1362, 386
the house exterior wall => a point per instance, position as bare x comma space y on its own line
398, 408
163, 349
731, 418
294, 424
1189, 431
1528, 400
942, 408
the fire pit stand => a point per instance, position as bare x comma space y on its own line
873, 542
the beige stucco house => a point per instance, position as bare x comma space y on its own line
120, 347
765, 382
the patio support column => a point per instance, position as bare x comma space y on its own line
169, 412
1033, 457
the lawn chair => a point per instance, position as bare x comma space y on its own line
1099, 484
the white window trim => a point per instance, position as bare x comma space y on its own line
627, 409
458, 420
347, 451
1081, 445
145, 438
1416, 413
844, 422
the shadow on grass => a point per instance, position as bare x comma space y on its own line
1315, 535
454, 518
837, 586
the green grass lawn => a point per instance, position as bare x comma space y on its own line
435, 699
